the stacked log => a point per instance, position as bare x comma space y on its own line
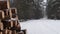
1, 14
8, 19
1, 27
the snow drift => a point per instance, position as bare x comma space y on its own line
41, 26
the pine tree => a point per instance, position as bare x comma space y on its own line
53, 9
28, 9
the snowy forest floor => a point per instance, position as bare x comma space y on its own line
41, 26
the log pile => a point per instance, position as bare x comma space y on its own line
8, 19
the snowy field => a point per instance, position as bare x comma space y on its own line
41, 26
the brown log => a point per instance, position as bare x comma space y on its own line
1, 33
11, 24
1, 14
16, 26
8, 4
13, 13
5, 31
14, 32
6, 23
9, 32
3, 5
13, 10
1, 26
6, 12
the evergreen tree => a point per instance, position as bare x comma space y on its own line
28, 9
53, 9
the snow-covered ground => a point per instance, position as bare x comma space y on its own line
41, 26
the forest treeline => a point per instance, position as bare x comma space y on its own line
28, 9
33, 9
